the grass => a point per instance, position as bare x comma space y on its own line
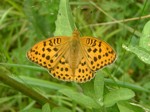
121, 87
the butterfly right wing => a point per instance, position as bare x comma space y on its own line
95, 55
98, 53
83, 73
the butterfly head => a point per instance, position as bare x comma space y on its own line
76, 34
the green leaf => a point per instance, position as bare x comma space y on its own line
117, 95
142, 53
64, 23
145, 39
33, 109
113, 108
5, 99
80, 98
61, 109
6, 78
42, 18
99, 87
40, 83
146, 85
88, 86
4, 15
127, 107
46, 108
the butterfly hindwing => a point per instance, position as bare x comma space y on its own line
83, 73
62, 70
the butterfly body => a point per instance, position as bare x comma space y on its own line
74, 52
72, 58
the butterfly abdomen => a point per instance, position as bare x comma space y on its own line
74, 54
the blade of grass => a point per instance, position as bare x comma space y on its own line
6, 79
126, 85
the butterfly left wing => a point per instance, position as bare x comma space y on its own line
98, 53
50, 54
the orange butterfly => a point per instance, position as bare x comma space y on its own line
72, 58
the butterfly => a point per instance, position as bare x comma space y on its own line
72, 58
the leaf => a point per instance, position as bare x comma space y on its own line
142, 53
117, 95
146, 85
32, 109
127, 107
80, 98
99, 87
64, 23
46, 108
145, 38
113, 108
4, 15
40, 83
61, 109
88, 86
42, 15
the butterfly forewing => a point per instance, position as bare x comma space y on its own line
48, 52
98, 53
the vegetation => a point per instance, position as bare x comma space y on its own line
122, 87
